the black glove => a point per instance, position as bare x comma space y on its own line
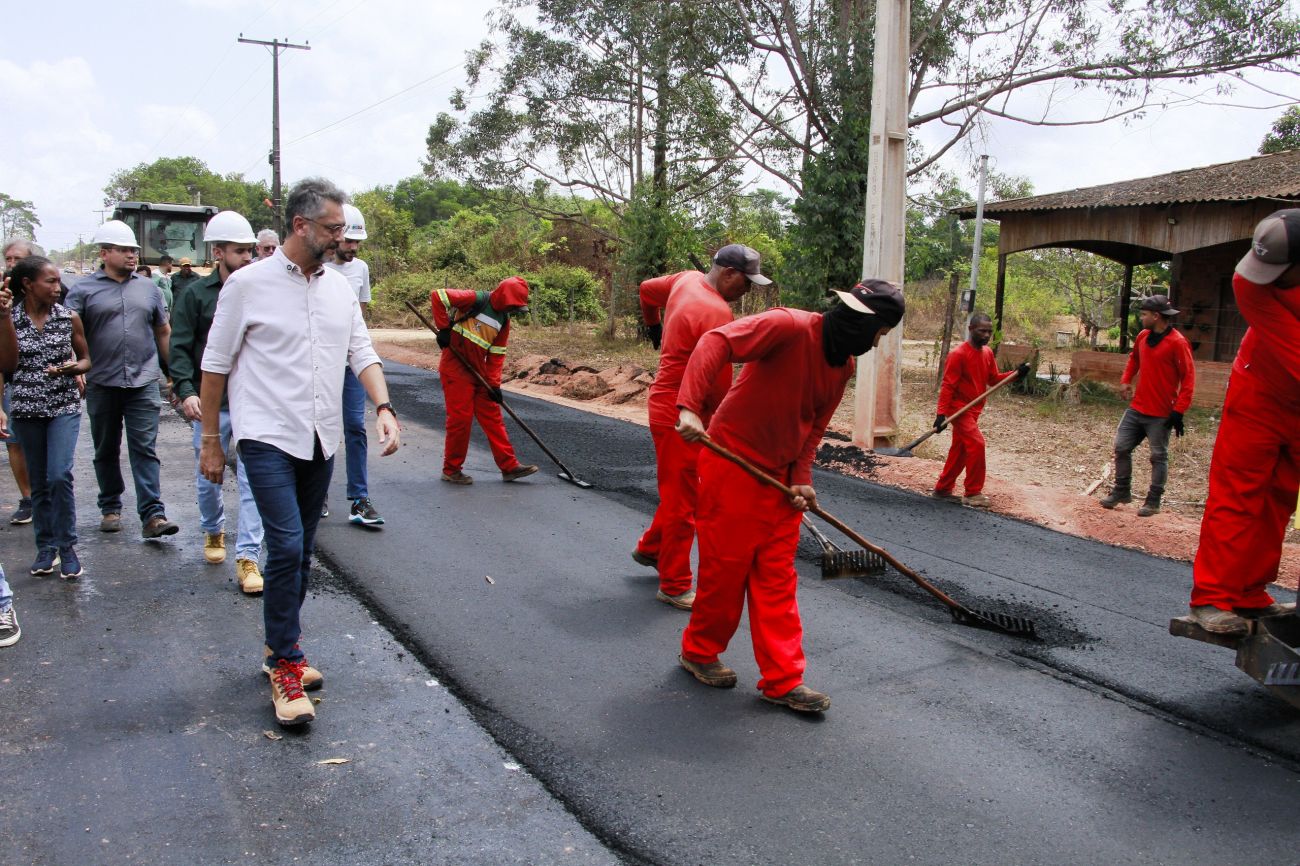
444, 337
940, 421
494, 394
1175, 422
1022, 372
655, 333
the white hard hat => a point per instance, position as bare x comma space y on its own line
229, 226
355, 229
115, 233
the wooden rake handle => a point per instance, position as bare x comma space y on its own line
962, 411
762, 476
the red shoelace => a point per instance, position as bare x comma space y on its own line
288, 676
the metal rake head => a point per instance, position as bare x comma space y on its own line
851, 563
1016, 626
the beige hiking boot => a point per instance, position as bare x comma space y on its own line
1218, 621
684, 601
977, 500
312, 679
292, 707
214, 547
714, 674
250, 579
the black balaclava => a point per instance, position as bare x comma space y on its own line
847, 332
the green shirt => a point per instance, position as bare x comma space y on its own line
191, 320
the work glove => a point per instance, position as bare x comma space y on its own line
494, 394
940, 421
1175, 422
444, 337
1022, 372
655, 333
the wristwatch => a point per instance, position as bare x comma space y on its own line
388, 406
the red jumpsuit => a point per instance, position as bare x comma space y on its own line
692, 308
1255, 468
773, 416
481, 339
969, 373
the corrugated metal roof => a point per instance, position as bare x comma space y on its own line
1276, 175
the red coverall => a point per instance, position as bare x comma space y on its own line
1255, 468
692, 308
481, 339
969, 373
773, 416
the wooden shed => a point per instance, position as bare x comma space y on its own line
1200, 220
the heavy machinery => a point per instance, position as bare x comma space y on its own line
172, 229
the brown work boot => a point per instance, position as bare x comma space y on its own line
1150, 507
945, 495
521, 471
214, 547
802, 699
1117, 496
312, 679
158, 526
457, 477
111, 522
714, 674
682, 601
250, 578
1218, 621
1273, 609
976, 500
644, 559
292, 707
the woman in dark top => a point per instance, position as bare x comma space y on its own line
42, 343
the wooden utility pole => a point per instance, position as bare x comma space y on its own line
276, 47
877, 402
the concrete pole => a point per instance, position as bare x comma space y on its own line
877, 403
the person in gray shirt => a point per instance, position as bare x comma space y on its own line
128, 332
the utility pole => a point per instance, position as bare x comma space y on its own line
977, 246
276, 47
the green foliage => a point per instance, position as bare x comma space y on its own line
554, 286
550, 291
388, 231
178, 179
17, 218
1285, 134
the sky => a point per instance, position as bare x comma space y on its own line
103, 91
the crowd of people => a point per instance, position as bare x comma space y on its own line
269, 355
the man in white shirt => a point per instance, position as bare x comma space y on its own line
357, 273
284, 330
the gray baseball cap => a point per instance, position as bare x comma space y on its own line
744, 259
1274, 249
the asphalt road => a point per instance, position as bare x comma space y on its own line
1107, 742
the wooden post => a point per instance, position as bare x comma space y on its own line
1125, 301
1001, 292
949, 323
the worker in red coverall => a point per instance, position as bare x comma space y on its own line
971, 370
474, 327
1255, 468
1164, 358
693, 303
796, 366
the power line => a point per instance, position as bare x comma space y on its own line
377, 104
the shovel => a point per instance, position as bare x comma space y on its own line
962, 615
565, 474
906, 451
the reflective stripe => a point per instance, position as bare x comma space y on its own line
497, 350
473, 338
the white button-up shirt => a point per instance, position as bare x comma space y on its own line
284, 338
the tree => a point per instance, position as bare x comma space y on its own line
1285, 134
178, 180
17, 218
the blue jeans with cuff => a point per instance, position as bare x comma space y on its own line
354, 434
212, 504
49, 445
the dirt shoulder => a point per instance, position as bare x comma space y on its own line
1043, 452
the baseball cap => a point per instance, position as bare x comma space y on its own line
875, 297
1274, 249
1158, 304
185, 260
743, 259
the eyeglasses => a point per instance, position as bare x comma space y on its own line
332, 229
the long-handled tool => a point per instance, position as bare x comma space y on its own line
843, 563
962, 615
906, 450
565, 473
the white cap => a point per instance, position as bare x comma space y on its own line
355, 224
230, 227
115, 233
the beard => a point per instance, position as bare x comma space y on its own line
318, 251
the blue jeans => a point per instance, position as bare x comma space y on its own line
1133, 428
6, 594
354, 434
49, 445
136, 408
289, 493
212, 504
